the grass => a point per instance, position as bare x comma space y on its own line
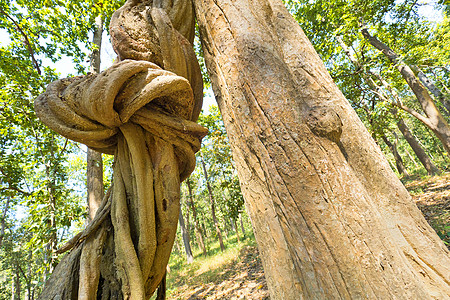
216, 267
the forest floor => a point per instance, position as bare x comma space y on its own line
432, 197
237, 273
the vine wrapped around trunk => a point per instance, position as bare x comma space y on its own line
142, 110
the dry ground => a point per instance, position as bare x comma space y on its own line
238, 273
241, 277
432, 197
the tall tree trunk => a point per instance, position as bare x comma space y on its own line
213, 205
418, 150
236, 230
94, 162
434, 119
29, 295
242, 225
186, 239
198, 229
17, 286
423, 157
398, 159
331, 219
53, 237
433, 89
3, 222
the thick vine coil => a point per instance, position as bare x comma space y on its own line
142, 110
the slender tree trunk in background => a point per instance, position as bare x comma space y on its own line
398, 159
15, 295
331, 218
434, 119
53, 239
242, 225
3, 222
236, 230
186, 239
29, 295
198, 229
213, 206
94, 162
188, 220
423, 157
418, 150
433, 89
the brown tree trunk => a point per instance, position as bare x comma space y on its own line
213, 205
398, 159
418, 150
15, 295
198, 229
433, 89
94, 162
331, 219
3, 222
423, 157
186, 239
434, 119
242, 225
236, 230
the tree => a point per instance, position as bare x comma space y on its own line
398, 23
198, 229
186, 239
331, 219
433, 117
142, 109
94, 161
377, 90
213, 205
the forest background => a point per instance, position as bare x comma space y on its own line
43, 176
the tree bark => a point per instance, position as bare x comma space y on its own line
418, 150
198, 229
94, 162
186, 239
213, 205
398, 159
434, 119
331, 219
433, 89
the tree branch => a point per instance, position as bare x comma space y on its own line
26, 40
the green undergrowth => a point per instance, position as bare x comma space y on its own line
213, 268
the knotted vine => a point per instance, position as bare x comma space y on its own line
142, 110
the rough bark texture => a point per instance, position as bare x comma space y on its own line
143, 115
434, 119
331, 219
